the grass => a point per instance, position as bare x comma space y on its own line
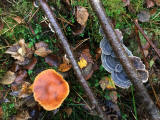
25, 10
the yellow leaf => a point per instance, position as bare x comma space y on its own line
82, 63
64, 67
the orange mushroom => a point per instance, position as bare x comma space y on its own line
50, 89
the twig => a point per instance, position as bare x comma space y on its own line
80, 43
146, 37
125, 61
63, 39
141, 48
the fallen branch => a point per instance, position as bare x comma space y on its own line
141, 48
52, 18
146, 37
121, 54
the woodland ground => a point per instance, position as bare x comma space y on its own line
33, 29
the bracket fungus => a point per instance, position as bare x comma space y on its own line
50, 89
111, 64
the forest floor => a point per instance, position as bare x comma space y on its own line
29, 45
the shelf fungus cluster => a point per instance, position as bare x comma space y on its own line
112, 64
50, 89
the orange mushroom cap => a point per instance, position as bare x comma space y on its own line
50, 89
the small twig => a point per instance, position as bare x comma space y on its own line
80, 43
146, 37
141, 48
33, 15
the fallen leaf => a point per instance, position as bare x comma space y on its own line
86, 55
25, 90
15, 67
41, 44
32, 64
18, 19
88, 71
143, 16
42, 49
82, 63
149, 3
23, 115
68, 111
107, 82
43, 52
81, 15
19, 51
77, 29
26, 61
21, 76
52, 60
8, 78
64, 67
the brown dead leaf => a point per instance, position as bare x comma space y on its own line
81, 15
42, 49
86, 55
43, 52
32, 64
8, 78
149, 3
68, 111
15, 67
25, 90
19, 51
88, 71
23, 115
77, 29
41, 44
21, 76
52, 60
64, 67
18, 19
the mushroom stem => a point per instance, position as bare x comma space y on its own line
63, 39
123, 57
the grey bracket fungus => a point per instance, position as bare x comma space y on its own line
105, 46
120, 79
111, 64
